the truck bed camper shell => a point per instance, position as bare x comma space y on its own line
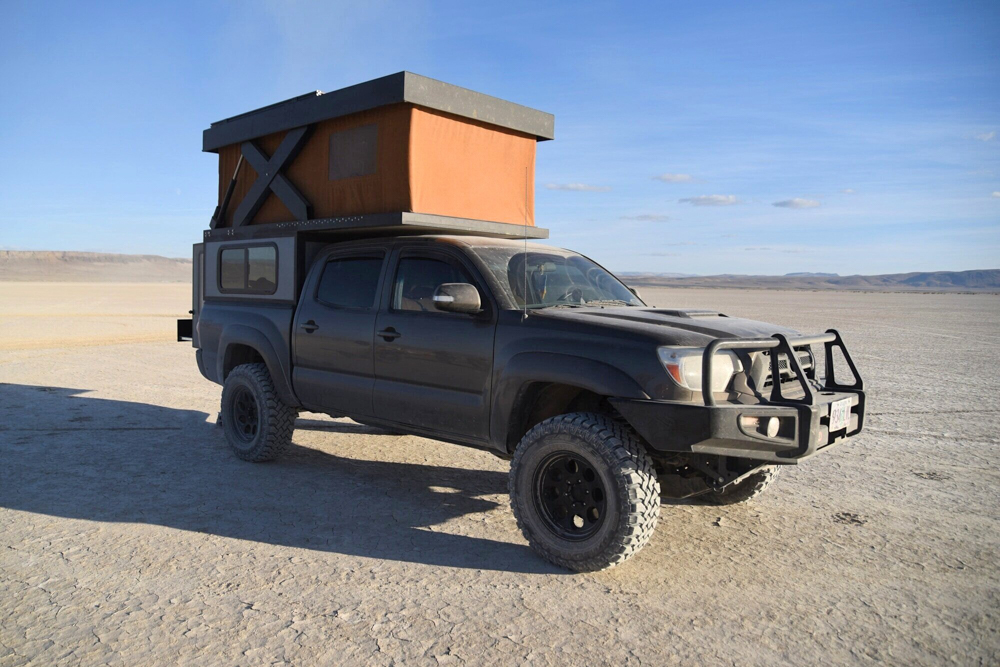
398, 154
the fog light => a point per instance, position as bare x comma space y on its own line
767, 426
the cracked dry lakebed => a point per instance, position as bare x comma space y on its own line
130, 535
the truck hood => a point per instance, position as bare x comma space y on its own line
667, 326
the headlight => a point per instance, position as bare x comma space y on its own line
684, 366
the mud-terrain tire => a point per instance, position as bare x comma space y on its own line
258, 426
749, 488
584, 491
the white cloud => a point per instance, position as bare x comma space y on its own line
674, 178
577, 187
770, 249
987, 136
996, 194
847, 191
711, 200
797, 202
647, 217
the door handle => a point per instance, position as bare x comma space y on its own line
389, 334
309, 326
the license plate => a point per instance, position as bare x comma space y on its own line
840, 415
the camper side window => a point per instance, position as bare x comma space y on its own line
250, 270
232, 271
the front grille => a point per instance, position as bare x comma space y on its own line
805, 362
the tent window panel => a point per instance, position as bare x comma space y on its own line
353, 152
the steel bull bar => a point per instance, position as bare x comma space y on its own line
722, 428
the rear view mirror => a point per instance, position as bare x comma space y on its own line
457, 298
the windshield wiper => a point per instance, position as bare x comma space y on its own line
595, 302
608, 302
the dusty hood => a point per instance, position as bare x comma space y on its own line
672, 327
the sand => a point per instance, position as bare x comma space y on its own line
130, 535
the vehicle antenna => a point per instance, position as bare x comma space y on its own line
525, 245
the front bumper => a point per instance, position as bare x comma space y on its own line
719, 428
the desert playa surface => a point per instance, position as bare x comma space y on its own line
130, 535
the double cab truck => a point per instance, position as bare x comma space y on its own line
602, 403
369, 257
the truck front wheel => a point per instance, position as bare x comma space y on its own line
258, 426
584, 491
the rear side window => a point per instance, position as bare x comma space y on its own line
350, 282
249, 270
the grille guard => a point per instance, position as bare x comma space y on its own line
781, 344
715, 428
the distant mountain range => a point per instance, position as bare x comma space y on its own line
67, 266
987, 280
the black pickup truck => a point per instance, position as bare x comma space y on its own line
602, 404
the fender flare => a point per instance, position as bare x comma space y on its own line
531, 367
240, 334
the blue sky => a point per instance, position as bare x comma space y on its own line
680, 127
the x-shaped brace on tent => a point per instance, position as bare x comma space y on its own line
270, 179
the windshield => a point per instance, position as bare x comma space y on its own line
554, 278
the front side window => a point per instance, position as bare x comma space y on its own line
418, 277
252, 270
350, 282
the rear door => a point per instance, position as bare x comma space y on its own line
334, 368
198, 291
433, 368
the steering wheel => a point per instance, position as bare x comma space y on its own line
573, 295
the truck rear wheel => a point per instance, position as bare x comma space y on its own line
258, 426
749, 488
584, 491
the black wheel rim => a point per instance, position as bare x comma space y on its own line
569, 496
246, 416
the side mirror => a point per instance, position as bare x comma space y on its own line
457, 298
635, 291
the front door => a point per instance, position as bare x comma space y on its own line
433, 368
334, 368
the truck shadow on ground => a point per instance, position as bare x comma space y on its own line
68, 455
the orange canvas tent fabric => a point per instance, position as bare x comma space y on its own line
425, 161
468, 169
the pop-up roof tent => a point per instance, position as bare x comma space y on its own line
399, 152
